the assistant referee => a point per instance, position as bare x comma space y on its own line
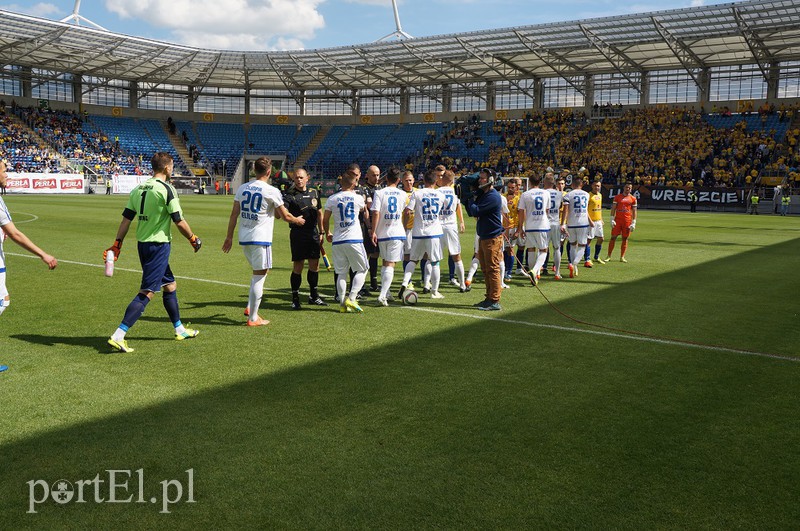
305, 240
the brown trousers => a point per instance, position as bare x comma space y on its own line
490, 253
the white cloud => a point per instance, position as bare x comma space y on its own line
41, 9
228, 24
387, 3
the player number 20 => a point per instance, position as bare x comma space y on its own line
251, 202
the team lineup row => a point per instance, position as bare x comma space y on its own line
396, 222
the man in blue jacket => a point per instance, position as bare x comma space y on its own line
487, 206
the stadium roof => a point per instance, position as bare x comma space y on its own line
756, 32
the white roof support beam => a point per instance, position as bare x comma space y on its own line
555, 62
613, 55
481, 56
683, 53
755, 44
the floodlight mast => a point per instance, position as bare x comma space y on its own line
398, 34
76, 17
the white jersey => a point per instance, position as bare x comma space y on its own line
448, 211
427, 204
578, 213
257, 201
554, 212
5, 219
536, 203
389, 203
504, 202
345, 208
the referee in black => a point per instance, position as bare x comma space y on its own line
373, 176
305, 240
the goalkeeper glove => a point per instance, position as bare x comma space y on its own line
116, 249
633, 225
613, 223
196, 242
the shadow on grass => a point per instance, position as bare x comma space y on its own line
459, 429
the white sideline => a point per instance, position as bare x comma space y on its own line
485, 317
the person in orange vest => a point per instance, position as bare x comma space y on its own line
227, 187
216, 187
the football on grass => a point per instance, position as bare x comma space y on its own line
410, 298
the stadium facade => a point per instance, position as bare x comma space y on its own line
727, 54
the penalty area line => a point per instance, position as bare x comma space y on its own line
610, 334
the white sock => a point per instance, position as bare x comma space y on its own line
428, 271
531, 254
557, 260
341, 287
436, 277
3, 302
460, 273
540, 258
118, 335
358, 283
387, 275
256, 294
408, 272
473, 268
503, 269
577, 255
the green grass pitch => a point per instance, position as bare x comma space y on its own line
433, 416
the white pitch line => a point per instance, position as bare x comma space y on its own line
34, 218
611, 334
490, 318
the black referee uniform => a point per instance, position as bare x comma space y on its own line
304, 240
368, 192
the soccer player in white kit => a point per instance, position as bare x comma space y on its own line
576, 223
7, 228
554, 216
452, 224
426, 205
534, 223
255, 203
387, 230
347, 240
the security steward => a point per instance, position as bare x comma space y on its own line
304, 240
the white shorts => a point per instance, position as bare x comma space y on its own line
451, 240
259, 256
578, 235
392, 250
348, 256
537, 239
596, 231
556, 235
407, 244
476, 244
430, 246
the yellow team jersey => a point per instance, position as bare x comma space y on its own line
410, 224
513, 212
595, 207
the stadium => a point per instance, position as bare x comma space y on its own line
661, 392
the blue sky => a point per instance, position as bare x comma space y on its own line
293, 24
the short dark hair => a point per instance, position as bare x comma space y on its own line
534, 180
430, 176
160, 161
262, 166
393, 175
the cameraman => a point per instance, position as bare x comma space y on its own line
487, 206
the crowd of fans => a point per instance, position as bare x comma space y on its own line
649, 146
